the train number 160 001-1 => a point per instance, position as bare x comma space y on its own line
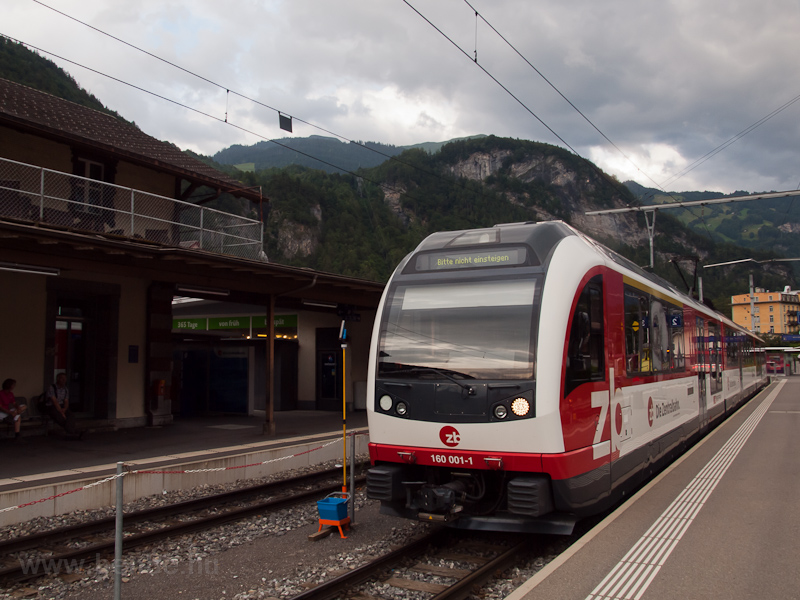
451, 459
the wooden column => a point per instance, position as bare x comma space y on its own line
269, 405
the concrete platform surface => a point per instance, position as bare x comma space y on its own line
721, 522
43, 476
28, 457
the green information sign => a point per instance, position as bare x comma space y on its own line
190, 324
222, 323
228, 323
281, 321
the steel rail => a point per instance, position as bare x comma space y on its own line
64, 533
329, 589
91, 553
458, 591
465, 587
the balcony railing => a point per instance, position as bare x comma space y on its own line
42, 195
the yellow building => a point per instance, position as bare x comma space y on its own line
773, 312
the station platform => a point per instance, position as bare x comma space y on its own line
721, 522
227, 447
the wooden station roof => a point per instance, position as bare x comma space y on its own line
246, 281
38, 113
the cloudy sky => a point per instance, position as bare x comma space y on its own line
666, 82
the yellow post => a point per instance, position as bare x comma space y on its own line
344, 419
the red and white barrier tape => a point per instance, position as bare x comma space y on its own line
185, 472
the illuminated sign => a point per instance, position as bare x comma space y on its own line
280, 321
229, 323
471, 259
190, 324
237, 322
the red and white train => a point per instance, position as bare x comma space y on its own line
524, 376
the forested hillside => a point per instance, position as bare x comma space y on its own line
768, 225
316, 152
20, 65
363, 225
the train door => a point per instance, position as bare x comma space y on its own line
700, 365
586, 347
586, 369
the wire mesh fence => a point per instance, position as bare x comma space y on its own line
41, 195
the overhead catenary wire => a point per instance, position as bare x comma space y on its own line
319, 128
386, 186
574, 107
711, 153
226, 121
389, 157
529, 110
176, 103
552, 85
229, 91
730, 141
493, 78
380, 184
674, 177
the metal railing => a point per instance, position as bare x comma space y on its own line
42, 195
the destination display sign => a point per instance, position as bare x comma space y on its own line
471, 259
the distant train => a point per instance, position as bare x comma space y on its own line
524, 376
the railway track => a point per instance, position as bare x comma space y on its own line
441, 564
96, 539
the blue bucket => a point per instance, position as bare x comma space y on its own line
332, 508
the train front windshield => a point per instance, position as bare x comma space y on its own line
463, 330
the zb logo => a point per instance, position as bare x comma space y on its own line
450, 436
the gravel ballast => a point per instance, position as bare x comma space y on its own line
261, 557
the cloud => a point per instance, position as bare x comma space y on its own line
667, 82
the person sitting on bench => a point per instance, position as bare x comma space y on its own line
57, 404
10, 409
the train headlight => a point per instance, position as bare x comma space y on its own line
401, 409
386, 403
500, 411
520, 407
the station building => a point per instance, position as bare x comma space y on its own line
114, 271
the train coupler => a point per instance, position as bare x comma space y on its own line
447, 517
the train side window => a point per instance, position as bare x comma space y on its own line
659, 336
676, 349
749, 359
586, 345
732, 348
714, 351
637, 339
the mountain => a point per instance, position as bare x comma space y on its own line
316, 152
364, 225
764, 225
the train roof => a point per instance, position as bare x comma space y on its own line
542, 238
